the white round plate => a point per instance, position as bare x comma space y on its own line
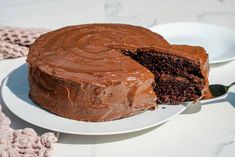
15, 91
219, 42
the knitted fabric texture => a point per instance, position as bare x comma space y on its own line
15, 42
23, 142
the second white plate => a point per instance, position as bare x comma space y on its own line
218, 41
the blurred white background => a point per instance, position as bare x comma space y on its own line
58, 13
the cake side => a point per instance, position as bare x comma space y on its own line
91, 102
203, 62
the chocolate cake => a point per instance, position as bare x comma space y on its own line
101, 72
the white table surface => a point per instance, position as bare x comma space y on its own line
207, 132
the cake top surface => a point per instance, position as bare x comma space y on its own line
92, 52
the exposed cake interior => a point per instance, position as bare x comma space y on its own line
176, 79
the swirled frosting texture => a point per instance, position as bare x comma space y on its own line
78, 72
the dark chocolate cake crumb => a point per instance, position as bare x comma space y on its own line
176, 79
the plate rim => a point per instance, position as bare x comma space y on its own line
154, 28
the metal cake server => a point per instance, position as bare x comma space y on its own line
218, 90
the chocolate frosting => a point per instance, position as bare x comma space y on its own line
78, 72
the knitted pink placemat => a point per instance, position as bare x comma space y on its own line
23, 142
15, 42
